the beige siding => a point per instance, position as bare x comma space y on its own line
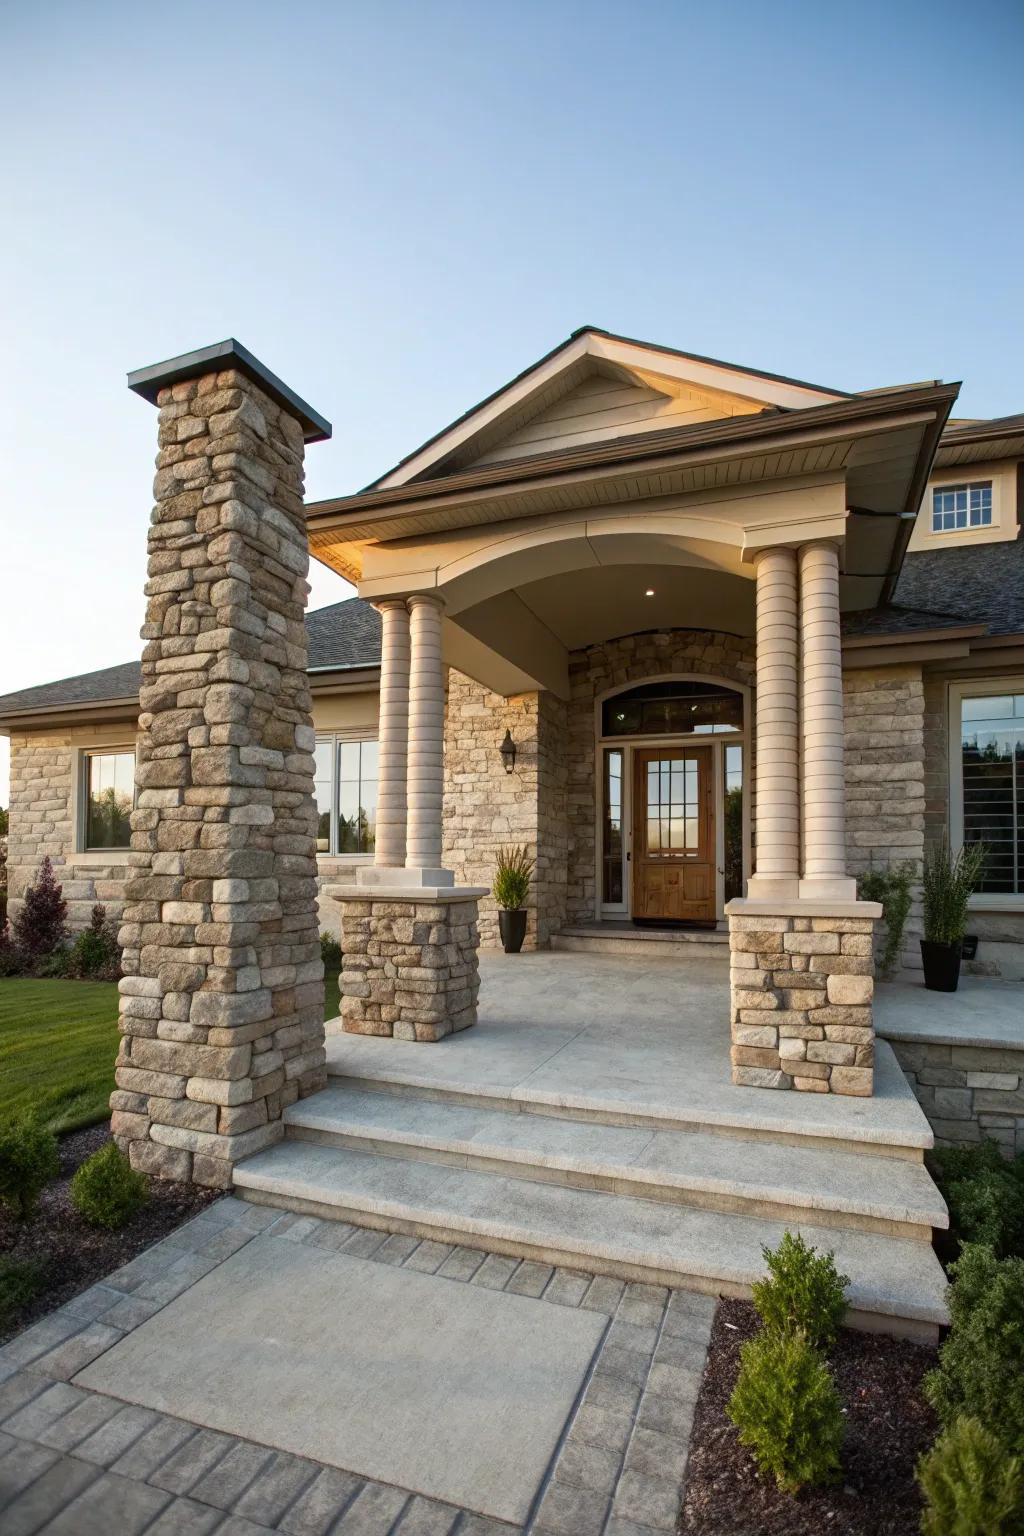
601, 408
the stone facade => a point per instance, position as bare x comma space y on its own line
42, 822
802, 989
885, 773
486, 808
617, 663
970, 1093
410, 966
222, 998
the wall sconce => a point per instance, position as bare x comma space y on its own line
508, 752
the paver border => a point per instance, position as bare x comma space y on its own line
71, 1458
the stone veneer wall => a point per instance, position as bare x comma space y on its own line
592, 672
409, 967
42, 822
222, 997
485, 807
968, 1092
801, 1003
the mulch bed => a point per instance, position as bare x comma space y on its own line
76, 1255
888, 1425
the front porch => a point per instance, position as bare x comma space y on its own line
589, 1121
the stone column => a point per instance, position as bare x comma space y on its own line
821, 713
777, 792
426, 743
389, 851
222, 998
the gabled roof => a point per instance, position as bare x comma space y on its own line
587, 351
343, 636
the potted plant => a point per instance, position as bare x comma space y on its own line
512, 873
948, 885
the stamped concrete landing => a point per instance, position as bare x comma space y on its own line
373, 1369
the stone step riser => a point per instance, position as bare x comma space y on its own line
570, 1257
764, 1204
583, 1114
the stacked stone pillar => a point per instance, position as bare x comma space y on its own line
222, 997
801, 943
409, 935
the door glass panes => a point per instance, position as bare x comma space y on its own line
992, 756
323, 792
673, 820
732, 767
110, 795
611, 892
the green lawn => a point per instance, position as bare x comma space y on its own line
58, 1043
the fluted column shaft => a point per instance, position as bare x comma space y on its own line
821, 701
777, 810
389, 849
426, 735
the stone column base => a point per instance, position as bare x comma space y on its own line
409, 960
802, 984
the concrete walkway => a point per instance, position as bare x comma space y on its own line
256, 1372
982, 1012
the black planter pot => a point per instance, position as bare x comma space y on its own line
941, 965
512, 927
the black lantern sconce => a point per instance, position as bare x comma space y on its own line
508, 752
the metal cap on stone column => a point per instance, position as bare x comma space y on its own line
222, 994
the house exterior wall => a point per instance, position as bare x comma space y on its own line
485, 807
44, 816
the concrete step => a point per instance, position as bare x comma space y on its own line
700, 1169
896, 1284
679, 944
600, 1083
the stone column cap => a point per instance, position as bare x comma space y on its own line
148, 382
744, 906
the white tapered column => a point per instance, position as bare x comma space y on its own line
777, 807
821, 708
389, 849
426, 742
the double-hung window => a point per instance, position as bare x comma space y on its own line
346, 795
956, 507
108, 795
988, 800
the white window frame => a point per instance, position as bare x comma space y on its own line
718, 741
951, 488
80, 810
337, 738
987, 901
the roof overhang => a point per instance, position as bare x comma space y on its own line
977, 441
97, 712
883, 444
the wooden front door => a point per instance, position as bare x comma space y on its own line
673, 835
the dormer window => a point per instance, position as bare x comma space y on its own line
955, 507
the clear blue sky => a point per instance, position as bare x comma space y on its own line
400, 205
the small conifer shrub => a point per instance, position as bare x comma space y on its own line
803, 1292
20, 1279
969, 1485
28, 1161
107, 1190
981, 1365
787, 1410
95, 953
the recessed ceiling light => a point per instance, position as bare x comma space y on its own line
649, 592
